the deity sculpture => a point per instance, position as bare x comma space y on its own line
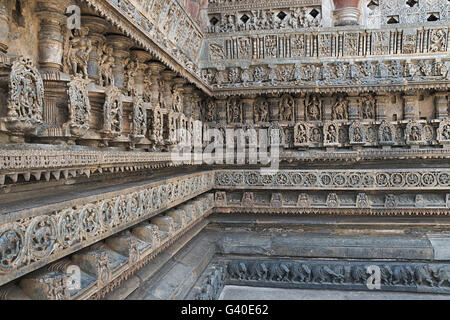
340, 109
107, 61
261, 111
314, 108
77, 53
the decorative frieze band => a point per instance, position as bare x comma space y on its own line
395, 179
354, 275
327, 43
329, 76
55, 164
29, 241
103, 266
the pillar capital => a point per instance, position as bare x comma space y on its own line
346, 12
156, 68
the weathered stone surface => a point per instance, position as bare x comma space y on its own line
251, 293
352, 100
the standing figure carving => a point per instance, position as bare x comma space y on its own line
234, 110
340, 109
287, 106
314, 108
77, 49
261, 111
113, 110
106, 77
368, 107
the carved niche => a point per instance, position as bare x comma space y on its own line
26, 96
367, 107
330, 133
386, 133
139, 118
234, 110
276, 200
79, 106
443, 132
414, 133
332, 200
316, 135
303, 200
261, 110
209, 111
362, 200
248, 199
357, 133
340, 108
390, 201
301, 134
220, 198
313, 108
113, 111
287, 108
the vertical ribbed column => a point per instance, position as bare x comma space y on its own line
97, 27
52, 20
441, 104
121, 45
382, 100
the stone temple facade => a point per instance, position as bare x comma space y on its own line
97, 96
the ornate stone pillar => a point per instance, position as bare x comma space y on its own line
195, 105
346, 12
121, 46
167, 85
353, 106
300, 106
188, 98
52, 22
97, 28
411, 110
248, 103
141, 57
4, 26
327, 103
179, 87
221, 104
274, 108
155, 68
441, 101
179, 84
382, 100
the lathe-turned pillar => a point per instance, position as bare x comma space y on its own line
51, 40
121, 45
97, 28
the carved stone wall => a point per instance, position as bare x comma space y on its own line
363, 109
